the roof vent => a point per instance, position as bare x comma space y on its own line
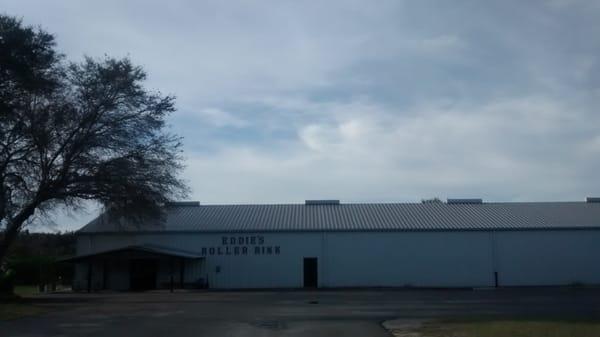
465, 201
593, 199
321, 202
182, 203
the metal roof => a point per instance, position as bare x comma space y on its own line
362, 217
147, 248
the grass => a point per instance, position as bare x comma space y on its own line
17, 305
14, 309
26, 291
512, 328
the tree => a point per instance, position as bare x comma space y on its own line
434, 200
71, 132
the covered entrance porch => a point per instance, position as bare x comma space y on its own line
138, 268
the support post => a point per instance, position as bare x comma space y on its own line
181, 272
172, 280
89, 277
104, 274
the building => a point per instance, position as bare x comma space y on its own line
325, 243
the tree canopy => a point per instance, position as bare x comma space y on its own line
79, 131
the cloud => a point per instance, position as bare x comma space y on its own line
220, 118
488, 151
396, 101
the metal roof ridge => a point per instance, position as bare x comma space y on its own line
396, 203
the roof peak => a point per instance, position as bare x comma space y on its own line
338, 202
364, 217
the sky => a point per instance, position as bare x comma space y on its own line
362, 101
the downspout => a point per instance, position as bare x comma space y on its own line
493, 254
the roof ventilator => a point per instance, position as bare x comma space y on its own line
465, 201
321, 202
182, 203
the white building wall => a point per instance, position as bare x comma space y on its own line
283, 270
250, 270
420, 259
381, 259
561, 257
87, 244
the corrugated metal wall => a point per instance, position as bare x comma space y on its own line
548, 258
420, 259
373, 259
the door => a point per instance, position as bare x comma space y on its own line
142, 274
311, 276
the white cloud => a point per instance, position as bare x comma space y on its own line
400, 100
492, 150
221, 118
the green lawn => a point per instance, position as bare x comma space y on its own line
12, 306
26, 291
14, 309
512, 328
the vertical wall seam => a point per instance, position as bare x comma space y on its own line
321, 265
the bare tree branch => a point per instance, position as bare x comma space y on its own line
79, 131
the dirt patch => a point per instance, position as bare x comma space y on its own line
404, 327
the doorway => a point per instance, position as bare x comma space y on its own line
142, 274
311, 276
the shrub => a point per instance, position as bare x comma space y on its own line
37, 269
7, 279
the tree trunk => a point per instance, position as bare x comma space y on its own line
13, 228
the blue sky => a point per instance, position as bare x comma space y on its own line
281, 101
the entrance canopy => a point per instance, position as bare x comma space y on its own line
143, 248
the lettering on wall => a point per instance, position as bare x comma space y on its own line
241, 245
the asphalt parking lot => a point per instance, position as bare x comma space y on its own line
284, 313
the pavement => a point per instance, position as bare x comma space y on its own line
285, 313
